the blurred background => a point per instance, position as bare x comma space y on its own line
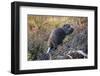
40, 27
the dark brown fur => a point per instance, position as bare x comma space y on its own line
57, 36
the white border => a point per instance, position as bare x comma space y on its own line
26, 65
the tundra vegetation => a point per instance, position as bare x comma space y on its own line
39, 29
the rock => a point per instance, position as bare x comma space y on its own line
80, 41
77, 54
43, 56
60, 57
